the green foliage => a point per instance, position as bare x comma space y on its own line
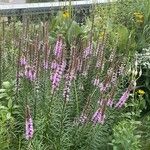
125, 135
145, 129
7, 120
143, 59
113, 30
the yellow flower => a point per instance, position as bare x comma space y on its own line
139, 21
139, 17
66, 14
141, 92
136, 13
101, 35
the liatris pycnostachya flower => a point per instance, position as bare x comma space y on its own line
83, 118
96, 82
100, 59
23, 60
114, 78
121, 70
109, 102
58, 47
54, 65
56, 77
87, 51
69, 77
30, 73
103, 87
100, 65
98, 117
123, 99
29, 124
45, 65
112, 55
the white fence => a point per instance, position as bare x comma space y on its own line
31, 8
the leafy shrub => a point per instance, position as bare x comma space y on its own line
125, 135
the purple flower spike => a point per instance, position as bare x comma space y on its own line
83, 118
100, 102
29, 128
96, 82
23, 61
45, 65
28, 124
110, 102
98, 117
58, 47
56, 77
102, 87
88, 51
30, 73
26, 73
123, 99
54, 64
69, 77
114, 78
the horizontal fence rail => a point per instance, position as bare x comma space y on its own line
31, 8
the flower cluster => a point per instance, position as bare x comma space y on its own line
29, 125
139, 18
83, 118
57, 75
28, 71
23, 60
69, 77
141, 92
96, 82
87, 51
58, 47
98, 117
123, 99
66, 14
109, 103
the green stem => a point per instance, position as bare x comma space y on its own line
49, 114
19, 148
76, 97
35, 102
93, 92
61, 125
